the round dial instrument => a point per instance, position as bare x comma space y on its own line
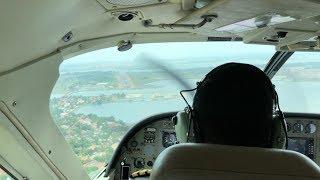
168, 139
311, 128
298, 127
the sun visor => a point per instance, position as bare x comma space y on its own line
256, 23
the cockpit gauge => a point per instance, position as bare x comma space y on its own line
298, 127
168, 139
149, 135
288, 127
139, 162
311, 128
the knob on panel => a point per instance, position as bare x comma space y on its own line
139, 162
150, 163
134, 143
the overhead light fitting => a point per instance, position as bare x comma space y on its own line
256, 23
124, 45
276, 38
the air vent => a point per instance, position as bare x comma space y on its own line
276, 38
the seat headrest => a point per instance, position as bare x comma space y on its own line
209, 161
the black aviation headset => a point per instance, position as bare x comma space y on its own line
187, 126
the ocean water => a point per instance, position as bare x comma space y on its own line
293, 97
135, 111
132, 112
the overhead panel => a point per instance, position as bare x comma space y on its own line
128, 2
256, 23
119, 4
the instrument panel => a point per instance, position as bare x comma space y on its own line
141, 151
140, 148
303, 136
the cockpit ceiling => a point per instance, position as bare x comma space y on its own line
31, 29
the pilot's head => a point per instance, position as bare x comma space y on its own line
234, 105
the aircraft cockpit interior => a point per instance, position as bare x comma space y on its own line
97, 89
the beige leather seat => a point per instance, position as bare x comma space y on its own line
219, 162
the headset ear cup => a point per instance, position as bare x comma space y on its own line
278, 134
181, 126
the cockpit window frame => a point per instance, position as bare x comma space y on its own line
276, 62
8, 172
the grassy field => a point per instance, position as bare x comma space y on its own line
112, 80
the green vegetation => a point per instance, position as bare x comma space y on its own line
91, 137
70, 83
142, 79
91, 169
93, 80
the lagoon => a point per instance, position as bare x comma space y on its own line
293, 96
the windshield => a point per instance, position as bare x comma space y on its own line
4, 175
298, 83
101, 94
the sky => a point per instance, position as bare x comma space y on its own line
167, 51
